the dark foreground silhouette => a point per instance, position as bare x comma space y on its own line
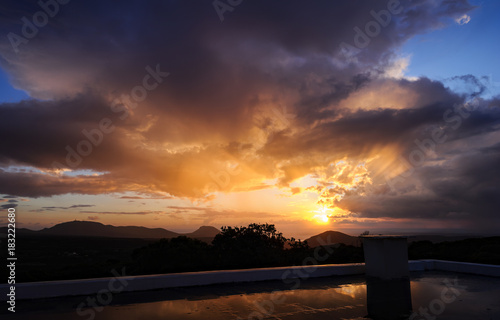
43, 258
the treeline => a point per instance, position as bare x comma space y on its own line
45, 258
476, 250
255, 246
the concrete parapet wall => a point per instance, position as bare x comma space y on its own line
466, 267
51, 289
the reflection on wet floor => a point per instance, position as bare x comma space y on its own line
388, 299
447, 295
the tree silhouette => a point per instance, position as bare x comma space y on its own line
253, 236
255, 245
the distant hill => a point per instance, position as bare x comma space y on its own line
204, 232
96, 229
3, 231
332, 237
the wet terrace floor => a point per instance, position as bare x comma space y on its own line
431, 295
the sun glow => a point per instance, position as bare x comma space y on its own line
322, 215
322, 218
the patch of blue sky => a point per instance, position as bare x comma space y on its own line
460, 49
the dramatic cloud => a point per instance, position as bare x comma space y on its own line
53, 208
124, 213
8, 205
275, 93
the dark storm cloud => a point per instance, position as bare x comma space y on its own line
472, 184
463, 190
358, 131
123, 213
9, 205
41, 185
53, 208
151, 197
202, 54
37, 132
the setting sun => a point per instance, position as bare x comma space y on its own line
322, 215
322, 218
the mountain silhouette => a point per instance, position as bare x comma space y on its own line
97, 229
332, 237
203, 232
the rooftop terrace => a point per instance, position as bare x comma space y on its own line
344, 294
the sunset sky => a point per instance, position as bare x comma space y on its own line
311, 115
